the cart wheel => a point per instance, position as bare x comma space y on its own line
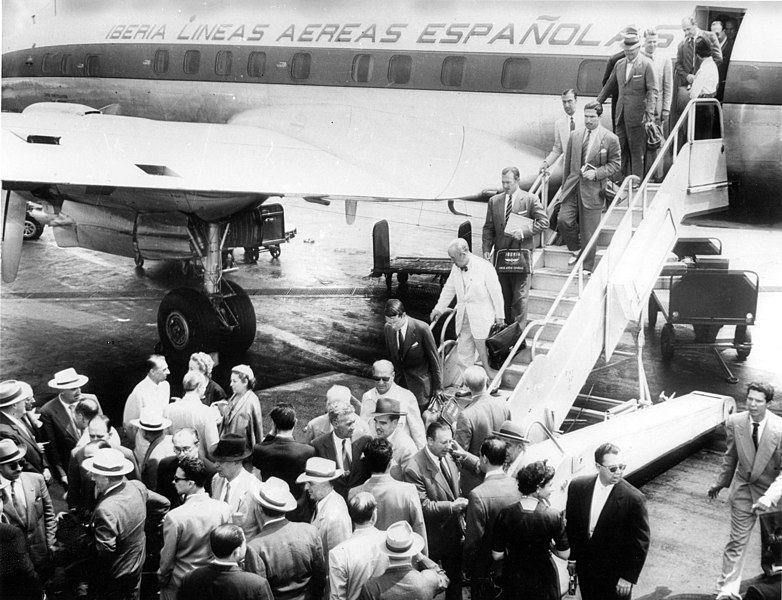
275, 251
251, 254
402, 278
667, 340
742, 342
652, 312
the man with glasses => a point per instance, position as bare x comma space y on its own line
186, 445
28, 506
386, 388
751, 464
186, 529
608, 529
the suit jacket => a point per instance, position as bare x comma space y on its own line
561, 135
61, 433
159, 449
81, 487
417, 364
664, 71
751, 472
118, 528
223, 582
186, 532
486, 502
243, 416
166, 469
444, 528
475, 423
523, 203
402, 583
28, 435
38, 524
620, 541
354, 562
636, 96
284, 458
359, 473
603, 153
478, 295
332, 522
290, 556
396, 501
687, 62
18, 579
241, 499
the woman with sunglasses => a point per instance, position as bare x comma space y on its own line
526, 533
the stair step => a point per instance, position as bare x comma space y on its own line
557, 257
551, 330
552, 280
540, 302
619, 213
516, 369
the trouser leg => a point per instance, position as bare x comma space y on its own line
741, 523
589, 219
621, 133
636, 141
465, 346
568, 222
507, 282
515, 289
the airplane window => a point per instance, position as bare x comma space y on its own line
47, 66
256, 64
453, 71
300, 65
400, 68
590, 76
363, 65
161, 61
223, 62
66, 64
515, 73
91, 66
192, 62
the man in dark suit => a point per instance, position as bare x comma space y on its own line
436, 477
186, 444
28, 506
592, 158
688, 62
223, 579
615, 58
497, 491
59, 421
515, 286
635, 78
476, 421
413, 352
15, 423
279, 455
339, 447
608, 529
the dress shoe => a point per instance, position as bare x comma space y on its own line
572, 260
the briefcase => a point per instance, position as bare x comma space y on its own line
514, 261
500, 342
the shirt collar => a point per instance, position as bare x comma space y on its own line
432, 457
497, 474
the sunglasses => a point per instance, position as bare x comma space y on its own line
16, 464
380, 378
180, 479
614, 468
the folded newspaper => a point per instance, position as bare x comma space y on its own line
516, 222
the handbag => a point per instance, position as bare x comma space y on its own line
654, 135
514, 261
500, 342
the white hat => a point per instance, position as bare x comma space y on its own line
401, 541
318, 470
68, 379
11, 392
109, 462
151, 420
275, 494
9, 451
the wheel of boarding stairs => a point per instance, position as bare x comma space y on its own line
742, 342
667, 341
652, 312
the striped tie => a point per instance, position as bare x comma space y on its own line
508, 206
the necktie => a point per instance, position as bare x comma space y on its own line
585, 147
464, 269
755, 434
345, 456
399, 341
508, 206
692, 46
572, 124
446, 472
226, 496
18, 504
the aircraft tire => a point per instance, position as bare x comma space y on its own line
667, 340
187, 323
32, 228
239, 340
652, 312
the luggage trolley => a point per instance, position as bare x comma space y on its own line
707, 299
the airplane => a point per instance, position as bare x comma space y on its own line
156, 130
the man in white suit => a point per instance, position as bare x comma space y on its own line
479, 303
752, 462
592, 158
570, 121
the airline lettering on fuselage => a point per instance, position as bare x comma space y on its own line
544, 30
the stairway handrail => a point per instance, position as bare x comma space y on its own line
672, 139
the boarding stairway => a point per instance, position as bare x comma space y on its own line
575, 317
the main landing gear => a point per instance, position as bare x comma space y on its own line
220, 316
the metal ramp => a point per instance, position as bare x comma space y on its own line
575, 317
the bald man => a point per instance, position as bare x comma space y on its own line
479, 303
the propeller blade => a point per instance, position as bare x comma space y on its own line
452, 208
350, 211
14, 209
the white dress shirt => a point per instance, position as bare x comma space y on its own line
599, 498
706, 79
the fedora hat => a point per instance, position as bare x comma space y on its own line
631, 38
388, 406
10, 452
231, 447
67, 379
151, 420
109, 462
318, 470
11, 392
511, 432
274, 494
401, 541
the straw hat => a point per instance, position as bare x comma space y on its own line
151, 420
401, 541
10, 393
68, 379
318, 470
10, 452
274, 494
632, 39
511, 432
109, 462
